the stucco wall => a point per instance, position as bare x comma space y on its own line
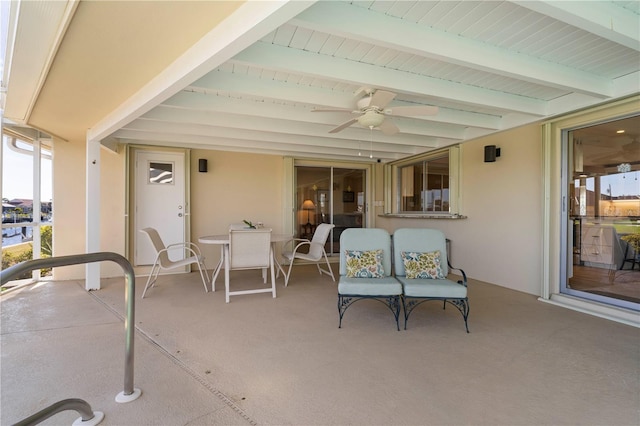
501, 240
69, 195
237, 186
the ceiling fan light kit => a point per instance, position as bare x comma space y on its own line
371, 119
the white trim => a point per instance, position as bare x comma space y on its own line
92, 202
36, 210
552, 137
624, 316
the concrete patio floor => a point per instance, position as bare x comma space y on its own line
284, 361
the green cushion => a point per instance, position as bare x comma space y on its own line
385, 286
427, 287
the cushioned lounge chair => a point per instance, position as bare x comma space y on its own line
365, 270
421, 265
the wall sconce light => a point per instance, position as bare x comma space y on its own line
491, 153
202, 165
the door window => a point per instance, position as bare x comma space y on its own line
160, 173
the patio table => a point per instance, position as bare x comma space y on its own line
223, 239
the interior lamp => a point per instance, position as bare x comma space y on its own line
308, 206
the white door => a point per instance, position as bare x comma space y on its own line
159, 202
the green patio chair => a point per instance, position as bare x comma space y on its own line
421, 265
365, 270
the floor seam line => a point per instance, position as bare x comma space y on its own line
219, 394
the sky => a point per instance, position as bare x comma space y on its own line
621, 184
17, 176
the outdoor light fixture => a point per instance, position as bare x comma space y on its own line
490, 153
202, 165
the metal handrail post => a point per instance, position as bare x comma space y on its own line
129, 393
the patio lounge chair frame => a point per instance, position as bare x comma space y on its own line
316, 252
386, 289
162, 261
418, 291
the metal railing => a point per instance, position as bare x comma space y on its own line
82, 407
129, 393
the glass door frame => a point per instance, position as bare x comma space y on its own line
331, 165
567, 242
554, 212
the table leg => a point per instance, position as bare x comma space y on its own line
216, 271
275, 261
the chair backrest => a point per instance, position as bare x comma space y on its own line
320, 239
158, 245
238, 226
418, 240
366, 239
249, 248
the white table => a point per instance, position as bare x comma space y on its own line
223, 239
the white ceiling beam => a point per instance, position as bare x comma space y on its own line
34, 32
249, 145
307, 95
297, 61
250, 22
358, 23
627, 84
321, 123
602, 18
158, 127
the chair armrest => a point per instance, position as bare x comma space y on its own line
294, 244
464, 276
192, 248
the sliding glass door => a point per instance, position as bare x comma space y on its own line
327, 194
602, 186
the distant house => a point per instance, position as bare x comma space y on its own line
22, 203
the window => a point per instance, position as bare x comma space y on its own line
161, 173
424, 184
26, 189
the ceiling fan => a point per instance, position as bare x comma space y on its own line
372, 111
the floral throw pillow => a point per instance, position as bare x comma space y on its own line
364, 263
422, 265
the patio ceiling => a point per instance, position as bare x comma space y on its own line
251, 83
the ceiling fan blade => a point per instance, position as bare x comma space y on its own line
331, 110
411, 111
388, 127
343, 126
381, 98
